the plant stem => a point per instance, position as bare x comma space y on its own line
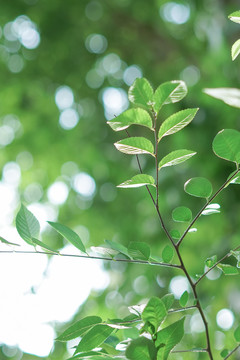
233, 351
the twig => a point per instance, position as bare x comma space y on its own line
232, 352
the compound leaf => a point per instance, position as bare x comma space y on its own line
176, 157
135, 145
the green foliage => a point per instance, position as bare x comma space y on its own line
176, 157
226, 145
27, 225
199, 187
138, 181
182, 214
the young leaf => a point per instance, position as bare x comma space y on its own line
182, 214
211, 261
228, 269
27, 225
43, 245
168, 338
226, 145
154, 313
229, 96
69, 235
184, 299
4, 241
139, 250
176, 157
132, 116
175, 234
235, 17
199, 187
118, 247
94, 337
137, 181
176, 122
135, 145
141, 93
79, 328
167, 254
235, 49
141, 349
169, 92
237, 334
168, 300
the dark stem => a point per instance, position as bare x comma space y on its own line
232, 352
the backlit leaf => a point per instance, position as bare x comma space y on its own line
94, 337
167, 254
141, 349
237, 334
69, 235
182, 214
169, 92
226, 145
79, 328
118, 247
168, 300
139, 250
176, 157
137, 181
175, 234
211, 261
141, 93
104, 251
235, 179
230, 96
235, 49
4, 241
91, 355
184, 299
135, 145
43, 245
235, 17
132, 116
228, 269
176, 122
154, 313
27, 225
199, 187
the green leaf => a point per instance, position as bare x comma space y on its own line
94, 337
154, 313
211, 261
91, 355
228, 269
141, 93
176, 157
131, 117
184, 299
168, 338
137, 181
235, 17
139, 250
224, 353
118, 247
182, 214
27, 225
43, 245
229, 96
135, 145
168, 300
211, 209
79, 328
226, 145
235, 49
169, 92
69, 235
176, 122
175, 234
167, 254
235, 180
141, 349
236, 254
237, 334
199, 187
104, 251
4, 241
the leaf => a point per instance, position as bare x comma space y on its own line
176, 157
199, 187
228, 269
211, 209
169, 92
236, 254
91, 355
27, 225
136, 309
104, 251
211, 261
43, 245
94, 337
168, 300
184, 299
167, 254
235, 17
226, 145
176, 122
154, 313
182, 214
135, 145
139, 250
137, 181
79, 328
235, 180
235, 49
4, 241
141, 349
69, 235
224, 353
175, 234
237, 334
229, 96
141, 93
130, 117
168, 338
118, 247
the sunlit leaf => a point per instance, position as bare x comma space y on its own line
234, 180
135, 145
236, 254
199, 187
235, 49
69, 235
176, 122
118, 247
184, 299
168, 338
132, 116
211, 261
43, 245
226, 145
141, 93
167, 253
154, 313
235, 17
4, 241
94, 337
141, 349
137, 181
91, 355
237, 334
230, 96
176, 157
27, 225
79, 328
104, 251
136, 309
168, 300
139, 250
228, 269
169, 92
182, 214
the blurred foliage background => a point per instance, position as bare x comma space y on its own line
65, 69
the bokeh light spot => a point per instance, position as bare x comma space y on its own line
132, 73
68, 119
225, 319
175, 13
58, 193
84, 184
115, 101
178, 285
96, 43
64, 97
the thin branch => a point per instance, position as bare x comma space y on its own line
204, 207
191, 350
218, 262
183, 309
232, 352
